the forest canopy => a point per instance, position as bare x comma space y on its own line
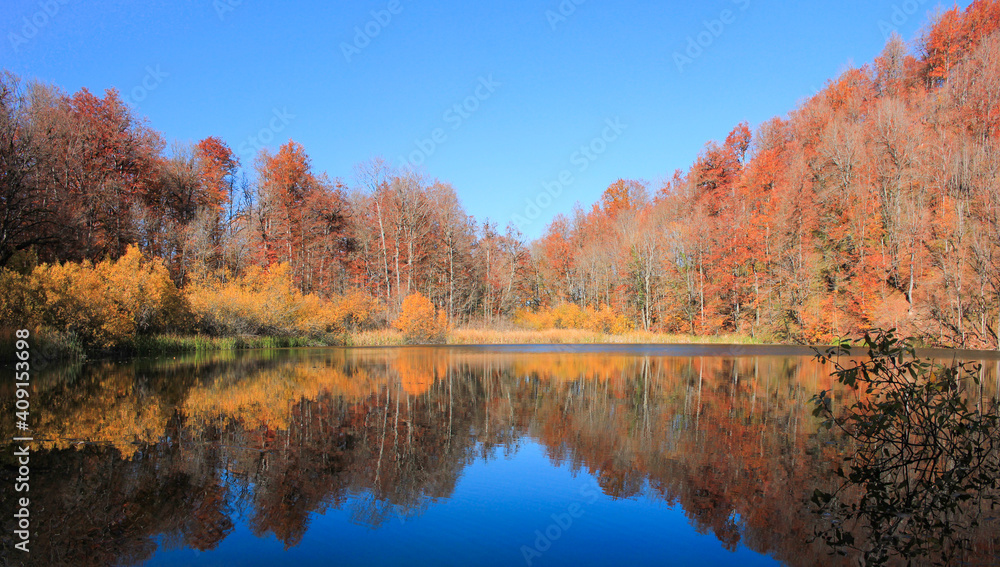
874, 203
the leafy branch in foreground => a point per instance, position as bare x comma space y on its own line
924, 472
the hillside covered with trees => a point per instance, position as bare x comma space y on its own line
875, 203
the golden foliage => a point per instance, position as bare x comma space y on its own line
419, 322
572, 316
254, 303
606, 320
109, 304
266, 301
106, 304
355, 310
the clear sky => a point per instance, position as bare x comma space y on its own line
642, 84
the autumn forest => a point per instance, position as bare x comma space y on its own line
785, 352
874, 203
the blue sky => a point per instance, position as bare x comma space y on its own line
535, 82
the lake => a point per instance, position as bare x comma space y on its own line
617, 455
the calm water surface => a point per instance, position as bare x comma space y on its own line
428, 456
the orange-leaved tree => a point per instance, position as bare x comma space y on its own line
420, 322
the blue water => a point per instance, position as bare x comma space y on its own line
440, 456
498, 515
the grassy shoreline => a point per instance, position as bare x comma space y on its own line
470, 336
461, 336
57, 346
49, 345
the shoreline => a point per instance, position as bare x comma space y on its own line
516, 340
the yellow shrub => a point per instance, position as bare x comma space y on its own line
607, 320
355, 310
572, 316
419, 323
143, 294
18, 300
258, 302
74, 300
105, 305
266, 302
562, 316
569, 316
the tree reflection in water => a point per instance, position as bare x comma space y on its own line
174, 453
